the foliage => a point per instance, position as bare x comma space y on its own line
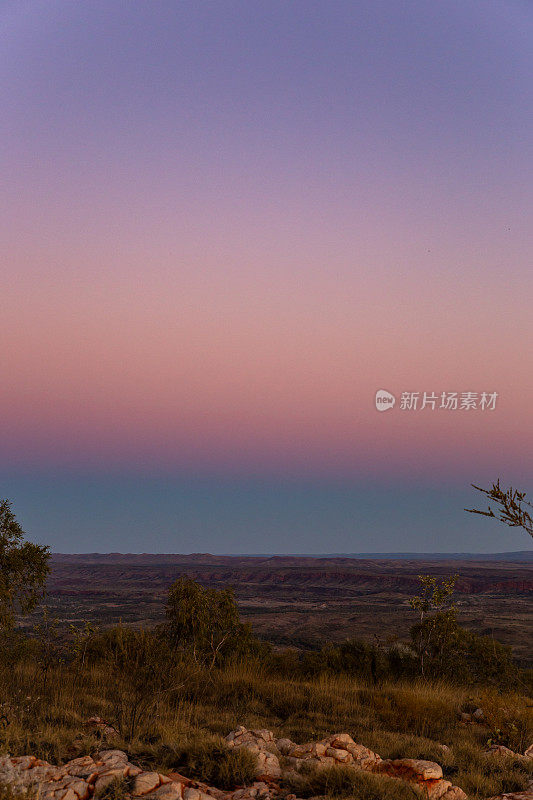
139, 665
81, 638
49, 650
23, 569
205, 622
454, 653
436, 617
509, 507
353, 657
446, 650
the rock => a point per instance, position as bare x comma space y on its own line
167, 791
342, 756
478, 715
529, 752
500, 750
268, 765
527, 795
341, 740
453, 793
103, 782
195, 794
410, 768
100, 726
82, 777
284, 746
260, 743
145, 783
258, 791
112, 755
426, 775
192, 794
425, 770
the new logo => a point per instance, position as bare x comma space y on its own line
384, 400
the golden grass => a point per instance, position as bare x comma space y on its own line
396, 720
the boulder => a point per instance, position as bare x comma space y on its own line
145, 783
261, 743
500, 750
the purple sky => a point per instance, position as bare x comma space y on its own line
224, 226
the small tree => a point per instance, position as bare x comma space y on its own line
509, 505
436, 618
23, 569
205, 622
49, 651
141, 669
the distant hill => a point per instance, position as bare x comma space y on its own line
521, 556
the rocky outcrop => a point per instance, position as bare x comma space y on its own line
423, 775
501, 750
262, 744
277, 760
84, 777
341, 749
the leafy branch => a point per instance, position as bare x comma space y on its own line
510, 507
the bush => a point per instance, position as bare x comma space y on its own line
140, 669
459, 655
210, 759
357, 658
340, 781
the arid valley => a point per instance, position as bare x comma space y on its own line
300, 601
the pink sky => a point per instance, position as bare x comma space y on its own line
215, 260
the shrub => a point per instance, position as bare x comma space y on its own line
462, 656
340, 781
210, 759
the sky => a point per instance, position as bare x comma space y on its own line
224, 226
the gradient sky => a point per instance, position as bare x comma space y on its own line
223, 226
